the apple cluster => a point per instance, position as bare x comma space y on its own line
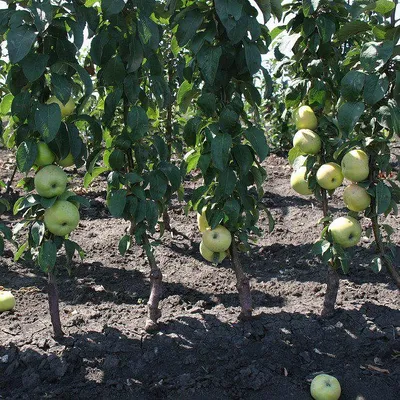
354, 167
215, 242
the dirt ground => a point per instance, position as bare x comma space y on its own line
202, 351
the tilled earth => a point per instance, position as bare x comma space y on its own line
202, 351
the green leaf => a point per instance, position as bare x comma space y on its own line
48, 120
124, 244
376, 264
37, 232
326, 28
138, 123
158, 185
47, 256
244, 158
266, 8
6, 231
232, 210
116, 201
351, 29
111, 7
220, 150
116, 159
173, 174
34, 65
352, 85
62, 87
90, 177
375, 54
226, 183
258, 141
310, 6
114, 72
348, 116
19, 41
188, 26
381, 6
71, 247
207, 103
383, 197
375, 88
5, 104
253, 57
26, 155
208, 60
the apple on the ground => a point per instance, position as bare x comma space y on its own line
7, 300
61, 218
325, 387
66, 109
356, 198
50, 181
355, 165
345, 231
307, 141
304, 118
67, 161
211, 256
329, 176
44, 155
202, 221
218, 239
299, 183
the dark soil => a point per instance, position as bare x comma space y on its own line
202, 351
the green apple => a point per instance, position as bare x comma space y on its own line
355, 165
304, 118
67, 161
44, 155
211, 256
345, 231
66, 195
307, 141
7, 301
218, 239
299, 183
202, 221
50, 181
66, 109
356, 198
61, 218
325, 387
329, 176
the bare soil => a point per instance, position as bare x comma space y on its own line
202, 351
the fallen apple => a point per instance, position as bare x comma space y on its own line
218, 239
67, 161
50, 181
355, 165
345, 231
7, 300
329, 176
211, 256
44, 155
325, 387
61, 218
356, 198
299, 183
66, 109
307, 141
304, 118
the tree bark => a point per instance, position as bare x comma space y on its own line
242, 285
54, 307
154, 313
332, 288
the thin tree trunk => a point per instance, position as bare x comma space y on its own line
10, 181
154, 313
54, 307
332, 288
242, 285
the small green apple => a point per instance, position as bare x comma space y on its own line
66, 109
44, 155
305, 118
329, 176
67, 161
202, 221
299, 183
50, 181
356, 198
355, 165
218, 239
211, 256
325, 387
7, 301
307, 141
61, 218
345, 231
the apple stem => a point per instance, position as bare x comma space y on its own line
242, 284
54, 307
154, 313
332, 288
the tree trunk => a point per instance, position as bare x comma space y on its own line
54, 307
154, 313
242, 285
332, 288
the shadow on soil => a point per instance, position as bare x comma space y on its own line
201, 357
